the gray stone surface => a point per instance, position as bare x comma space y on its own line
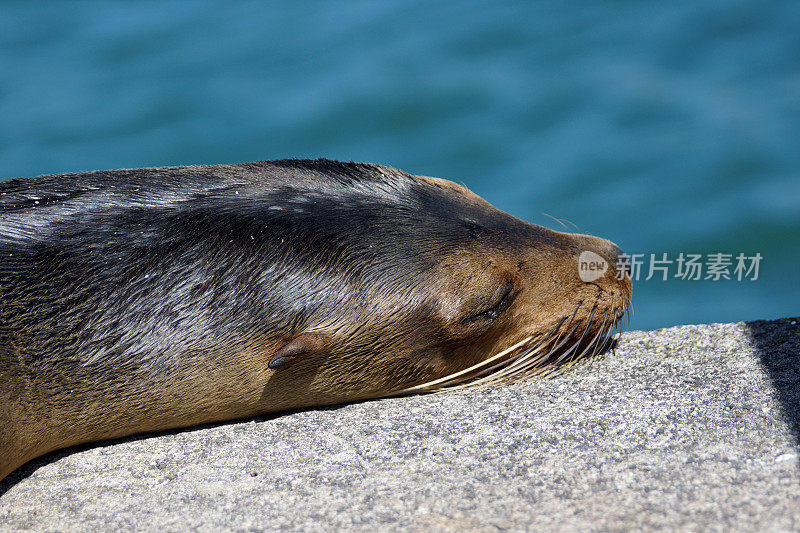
692, 427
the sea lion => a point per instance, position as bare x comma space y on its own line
134, 301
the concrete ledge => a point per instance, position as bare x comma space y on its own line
691, 427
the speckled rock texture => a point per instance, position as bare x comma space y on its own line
691, 428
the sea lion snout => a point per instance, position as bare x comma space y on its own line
597, 253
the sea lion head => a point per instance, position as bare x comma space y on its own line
148, 299
416, 283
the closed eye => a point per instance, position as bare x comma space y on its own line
500, 305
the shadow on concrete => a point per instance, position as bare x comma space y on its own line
778, 344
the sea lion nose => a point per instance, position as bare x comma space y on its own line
601, 258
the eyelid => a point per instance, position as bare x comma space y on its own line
494, 311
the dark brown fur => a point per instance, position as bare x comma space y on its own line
148, 299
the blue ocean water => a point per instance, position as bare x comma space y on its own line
667, 127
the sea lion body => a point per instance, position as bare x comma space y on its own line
141, 300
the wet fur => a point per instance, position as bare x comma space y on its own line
147, 299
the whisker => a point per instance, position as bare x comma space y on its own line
528, 357
605, 340
531, 363
540, 357
506, 368
585, 331
589, 346
571, 356
458, 379
561, 221
449, 377
485, 381
514, 358
557, 220
529, 360
598, 340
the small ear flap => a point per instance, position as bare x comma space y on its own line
302, 345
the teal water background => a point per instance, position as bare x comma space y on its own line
667, 127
